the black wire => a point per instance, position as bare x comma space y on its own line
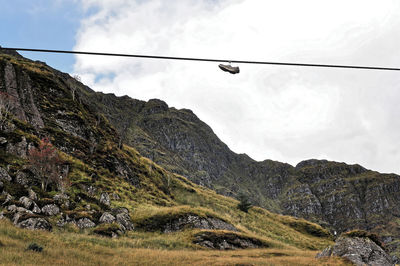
204, 59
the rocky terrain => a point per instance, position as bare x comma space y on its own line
121, 154
65, 168
360, 248
336, 195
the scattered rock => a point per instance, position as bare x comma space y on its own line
124, 221
107, 218
1, 185
12, 208
4, 175
35, 223
27, 202
18, 149
115, 196
62, 200
36, 208
21, 178
105, 199
50, 210
91, 190
85, 223
2, 215
359, 250
8, 197
227, 241
3, 140
31, 194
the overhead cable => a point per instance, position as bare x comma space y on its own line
206, 59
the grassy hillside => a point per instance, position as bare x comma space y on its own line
45, 104
71, 248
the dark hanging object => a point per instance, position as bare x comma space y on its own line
229, 68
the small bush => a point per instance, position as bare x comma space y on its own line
35, 247
244, 204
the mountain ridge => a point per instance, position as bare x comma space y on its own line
93, 128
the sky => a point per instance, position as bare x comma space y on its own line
281, 113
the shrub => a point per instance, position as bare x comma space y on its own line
35, 247
46, 164
244, 204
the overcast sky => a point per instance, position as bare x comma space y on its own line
282, 113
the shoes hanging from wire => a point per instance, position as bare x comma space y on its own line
229, 68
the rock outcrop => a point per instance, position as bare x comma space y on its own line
168, 224
359, 250
226, 241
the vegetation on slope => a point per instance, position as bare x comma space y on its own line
46, 106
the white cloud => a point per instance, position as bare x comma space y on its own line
282, 113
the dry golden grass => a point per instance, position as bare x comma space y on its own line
66, 248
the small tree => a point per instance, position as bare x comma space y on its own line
7, 103
244, 204
46, 163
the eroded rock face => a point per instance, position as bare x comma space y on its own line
226, 241
360, 251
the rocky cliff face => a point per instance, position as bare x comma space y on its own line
81, 123
337, 195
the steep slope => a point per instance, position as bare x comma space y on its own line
114, 190
337, 195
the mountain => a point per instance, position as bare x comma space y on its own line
104, 185
126, 156
336, 195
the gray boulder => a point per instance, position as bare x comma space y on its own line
62, 200
107, 218
226, 241
3, 140
27, 202
85, 223
124, 221
12, 208
31, 194
35, 208
8, 197
359, 250
21, 178
50, 210
30, 204
4, 175
105, 199
35, 223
